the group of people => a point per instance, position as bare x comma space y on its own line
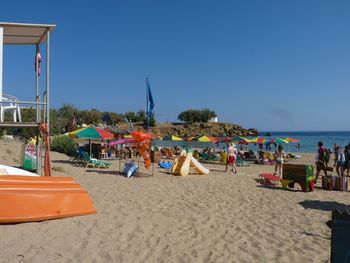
232, 154
341, 159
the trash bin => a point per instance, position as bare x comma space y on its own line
340, 239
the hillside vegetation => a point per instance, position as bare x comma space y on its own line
188, 130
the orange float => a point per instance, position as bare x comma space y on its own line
29, 198
141, 136
35, 198
143, 150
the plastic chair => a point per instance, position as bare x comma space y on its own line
9, 103
103, 154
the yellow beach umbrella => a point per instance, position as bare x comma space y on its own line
205, 138
258, 140
171, 138
175, 138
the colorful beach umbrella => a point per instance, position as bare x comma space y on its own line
258, 140
226, 139
289, 139
280, 141
122, 141
91, 133
205, 138
241, 140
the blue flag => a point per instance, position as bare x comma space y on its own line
150, 100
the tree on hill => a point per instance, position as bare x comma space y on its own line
141, 116
130, 116
116, 117
191, 116
151, 121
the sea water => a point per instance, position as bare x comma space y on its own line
308, 141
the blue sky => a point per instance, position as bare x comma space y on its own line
272, 65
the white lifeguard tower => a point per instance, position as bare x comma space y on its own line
26, 34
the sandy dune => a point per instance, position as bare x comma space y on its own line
218, 217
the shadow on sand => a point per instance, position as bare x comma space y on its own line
60, 161
113, 172
324, 205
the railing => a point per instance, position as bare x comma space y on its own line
22, 113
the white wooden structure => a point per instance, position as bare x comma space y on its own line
26, 34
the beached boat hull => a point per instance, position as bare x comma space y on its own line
29, 198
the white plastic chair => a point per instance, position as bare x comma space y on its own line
9, 103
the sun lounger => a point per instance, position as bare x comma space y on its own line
95, 163
269, 179
75, 157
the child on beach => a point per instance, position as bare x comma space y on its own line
279, 160
231, 157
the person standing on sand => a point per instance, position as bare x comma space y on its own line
231, 157
321, 162
347, 161
339, 161
279, 160
337, 151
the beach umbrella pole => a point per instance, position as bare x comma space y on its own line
90, 147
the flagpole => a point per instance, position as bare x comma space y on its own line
147, 113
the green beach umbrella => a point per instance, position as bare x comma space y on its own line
90, 133
280, 140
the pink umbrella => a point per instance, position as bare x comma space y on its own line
122, 141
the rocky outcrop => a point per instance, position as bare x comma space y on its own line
188, 130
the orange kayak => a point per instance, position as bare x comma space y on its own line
29, 198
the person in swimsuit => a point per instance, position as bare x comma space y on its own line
231, 157
339, 161
321, 163
279, 160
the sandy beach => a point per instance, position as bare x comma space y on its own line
220, 217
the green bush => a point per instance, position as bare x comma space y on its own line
191, 116
64, 144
